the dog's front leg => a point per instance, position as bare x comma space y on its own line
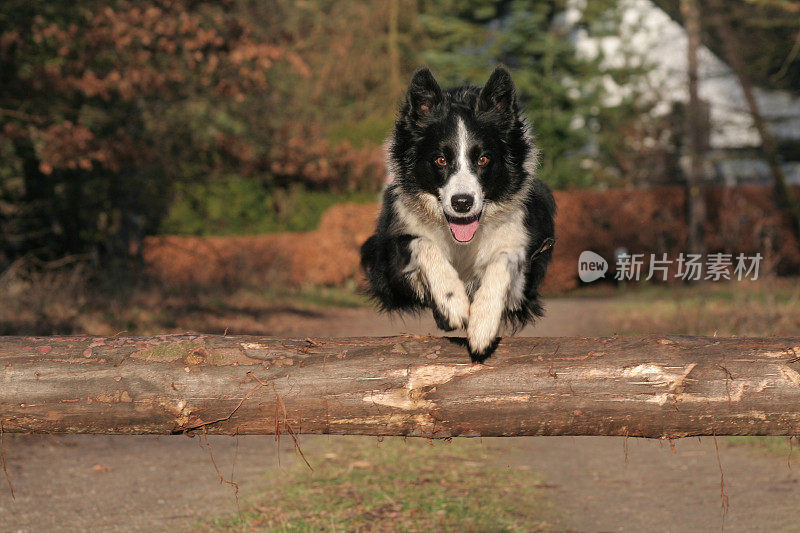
435, 279
489, 303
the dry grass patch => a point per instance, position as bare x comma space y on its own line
760, 309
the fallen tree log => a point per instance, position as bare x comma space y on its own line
650, 386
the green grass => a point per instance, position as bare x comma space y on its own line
370, 130
242, 206
347, 296
777, 446
397, 485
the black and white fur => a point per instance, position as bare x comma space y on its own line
414, 259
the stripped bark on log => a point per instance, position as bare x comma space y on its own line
650, 386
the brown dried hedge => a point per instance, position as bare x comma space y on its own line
740, 220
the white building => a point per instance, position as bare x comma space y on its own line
648, 34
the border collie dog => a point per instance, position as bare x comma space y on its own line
466, 228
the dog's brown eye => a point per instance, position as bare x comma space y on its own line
482, 161
441, 161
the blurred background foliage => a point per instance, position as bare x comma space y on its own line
120, 119
769, 38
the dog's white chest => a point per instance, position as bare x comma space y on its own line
507, 240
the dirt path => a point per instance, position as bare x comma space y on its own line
77, 483
658, 489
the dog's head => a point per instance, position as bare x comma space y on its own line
465, 148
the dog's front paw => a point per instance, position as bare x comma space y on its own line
441, 322
482, 331
452, 312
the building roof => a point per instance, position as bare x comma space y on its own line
648, 34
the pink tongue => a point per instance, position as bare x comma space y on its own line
464, 232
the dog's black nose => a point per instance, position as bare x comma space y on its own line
462, 202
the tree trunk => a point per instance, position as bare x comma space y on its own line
34, 225
783, 194
695, 197
651, 386
394, 50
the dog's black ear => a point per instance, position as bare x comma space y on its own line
424, 96
498, 95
